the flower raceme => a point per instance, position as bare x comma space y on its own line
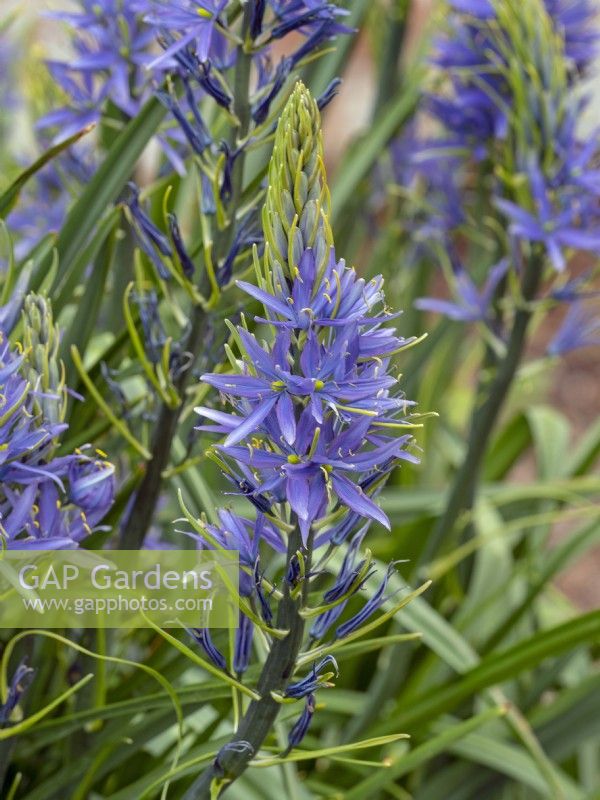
314, 426
513, 122
315, 407
46, 501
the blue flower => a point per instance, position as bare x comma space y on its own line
23, 439
315, 420
19, 684
336, 297
553, 226
322, 414
46, 501
238, 533
196, 22
243, 644
203, 638
308, 476
58, 512
314, 680
350, 579
580, 328
152, 240
473, 304
329, 377
300, 727
370, 607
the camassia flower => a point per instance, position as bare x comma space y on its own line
113, 48
17, 687
314, 424
316, 407
513, 123
46, 501
580, 328
194, 21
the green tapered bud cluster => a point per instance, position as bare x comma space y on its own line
43, 368
536, 72
295, 214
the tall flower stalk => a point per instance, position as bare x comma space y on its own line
315, 427
215, 59
510, 121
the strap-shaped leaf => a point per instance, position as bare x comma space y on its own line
9, 197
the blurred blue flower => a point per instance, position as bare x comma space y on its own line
472, 304
17, 687
45, 200
113, 50
315, 18
576, 22
195, 21
580, 328
553, 226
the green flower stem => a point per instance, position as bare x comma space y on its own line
389, 68
136, 523
260, 717
463, 492
138, 520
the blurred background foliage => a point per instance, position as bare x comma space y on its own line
500, 693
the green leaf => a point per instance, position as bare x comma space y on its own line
104, 188
202, 662
10, 196
64, 294
47, 732
574, 546
551, 434
103, 405
507, 447
507, 759
497, 668
420, 755
74, 646
81, 327
308, 755
32, 719
586, 452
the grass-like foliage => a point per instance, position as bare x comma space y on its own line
359, 377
